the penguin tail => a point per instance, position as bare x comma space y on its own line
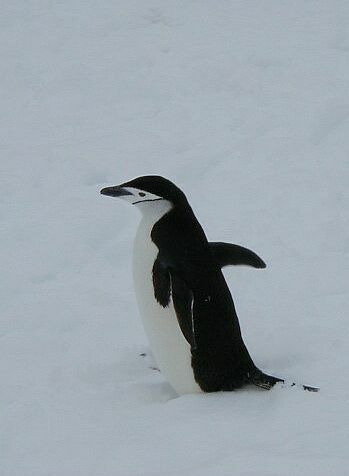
260, 379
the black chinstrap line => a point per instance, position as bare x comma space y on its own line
149, 200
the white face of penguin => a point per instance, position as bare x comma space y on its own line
148, 203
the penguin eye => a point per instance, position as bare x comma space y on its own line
141, 194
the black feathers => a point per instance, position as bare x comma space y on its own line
159, 186
188, 269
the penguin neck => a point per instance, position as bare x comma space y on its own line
153, 211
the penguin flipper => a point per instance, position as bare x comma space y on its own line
161, 283
226, 254
182, 298
166, 282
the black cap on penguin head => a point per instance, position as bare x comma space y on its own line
157, 186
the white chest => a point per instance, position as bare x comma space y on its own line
170, 349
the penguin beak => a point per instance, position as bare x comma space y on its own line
116, 191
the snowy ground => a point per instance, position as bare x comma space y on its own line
245, 105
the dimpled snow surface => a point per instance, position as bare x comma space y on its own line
244, 105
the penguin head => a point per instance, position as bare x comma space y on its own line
148, 192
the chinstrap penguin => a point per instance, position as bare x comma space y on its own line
186, 307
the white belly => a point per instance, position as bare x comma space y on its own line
170, 349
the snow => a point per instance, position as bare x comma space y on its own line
245, 106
